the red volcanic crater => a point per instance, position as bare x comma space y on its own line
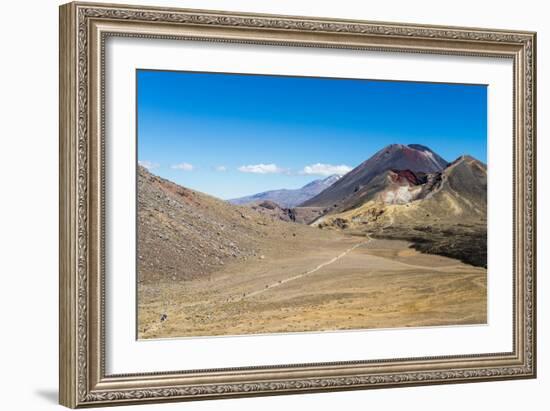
412, 178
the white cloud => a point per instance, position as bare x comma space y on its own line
149, 165
220, 168
261, 169
183, 166
326, 169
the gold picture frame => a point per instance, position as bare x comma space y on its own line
84, 27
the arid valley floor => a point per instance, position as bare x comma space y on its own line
333, 284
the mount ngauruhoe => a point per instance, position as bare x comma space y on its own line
458, 194
349, 191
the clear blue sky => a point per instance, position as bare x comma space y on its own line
231, 135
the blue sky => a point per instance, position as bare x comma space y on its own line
231, 135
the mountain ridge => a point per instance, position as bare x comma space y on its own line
289, 198
184, 234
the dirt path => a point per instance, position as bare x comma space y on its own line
296, 277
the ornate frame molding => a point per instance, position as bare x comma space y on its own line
83, 30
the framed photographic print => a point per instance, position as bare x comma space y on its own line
259, 204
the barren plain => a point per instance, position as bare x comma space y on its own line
334, 283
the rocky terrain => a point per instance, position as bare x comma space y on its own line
184, 234
400, 241
287, 198
301, 215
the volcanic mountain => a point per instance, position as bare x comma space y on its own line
287, 198
349, 191
444, 212
458, 190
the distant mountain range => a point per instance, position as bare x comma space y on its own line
404, 192
395, 175
288, 198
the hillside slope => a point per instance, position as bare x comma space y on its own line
185, 234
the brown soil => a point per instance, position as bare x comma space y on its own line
373, 284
